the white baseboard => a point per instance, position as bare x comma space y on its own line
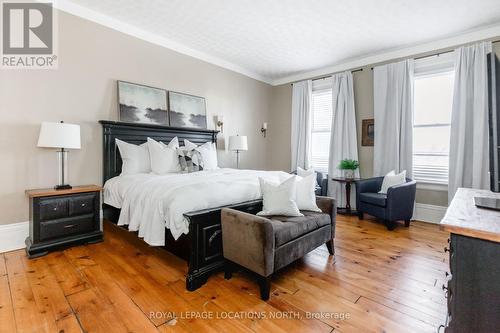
429, 213
12, 236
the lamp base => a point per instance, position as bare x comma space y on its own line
63, 187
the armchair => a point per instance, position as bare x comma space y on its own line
396, 205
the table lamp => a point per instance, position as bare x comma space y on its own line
238, 143
62, 136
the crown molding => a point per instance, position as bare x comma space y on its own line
453, 41
107, 21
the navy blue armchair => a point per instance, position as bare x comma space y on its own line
396, 205
322, 188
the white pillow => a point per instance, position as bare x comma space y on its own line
208, 152
304, 173
135, 159
392, 179
164, 158
305, 193
188, 145
278, 199
174, 143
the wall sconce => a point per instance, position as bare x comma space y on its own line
263, 130
220, 122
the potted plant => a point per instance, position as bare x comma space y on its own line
348, 166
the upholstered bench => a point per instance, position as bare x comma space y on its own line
264, 245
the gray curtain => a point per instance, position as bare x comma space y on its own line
301, 124
469, 147
343, 142
393, 113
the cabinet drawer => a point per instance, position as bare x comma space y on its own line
51, 209
63, 228
81, 205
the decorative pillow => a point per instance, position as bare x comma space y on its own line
188, 145
190, 160
392, 179
208, 152
163, 157
304, 173
305, 193
174, 143
278, 199
135, 159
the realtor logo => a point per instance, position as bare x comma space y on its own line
28, 35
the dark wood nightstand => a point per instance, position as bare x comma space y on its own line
59, 218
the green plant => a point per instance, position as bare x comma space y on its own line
347, 164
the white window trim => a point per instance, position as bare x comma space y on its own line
428, 67
421, 185
433, 65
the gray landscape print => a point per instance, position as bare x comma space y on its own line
186, 110
142, 104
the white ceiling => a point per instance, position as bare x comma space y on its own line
277, 40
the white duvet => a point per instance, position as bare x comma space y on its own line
150, 203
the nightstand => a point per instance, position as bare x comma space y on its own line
60, 218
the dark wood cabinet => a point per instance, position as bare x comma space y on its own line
473, 289
63, 218
473, 286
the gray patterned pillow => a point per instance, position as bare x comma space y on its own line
190, 160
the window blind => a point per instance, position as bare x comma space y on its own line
321, 128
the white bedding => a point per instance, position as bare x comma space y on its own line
149, 203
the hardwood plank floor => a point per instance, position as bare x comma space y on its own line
378, 281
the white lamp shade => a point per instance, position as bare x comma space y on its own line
238, 142
59, 135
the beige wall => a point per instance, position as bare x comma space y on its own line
83, 90
280, 124
279, 153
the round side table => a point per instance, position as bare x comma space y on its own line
347, 181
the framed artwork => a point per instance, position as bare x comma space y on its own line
142, 104
186, 110
367, 132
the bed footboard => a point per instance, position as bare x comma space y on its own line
205, 232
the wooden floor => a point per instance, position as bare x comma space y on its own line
378, 281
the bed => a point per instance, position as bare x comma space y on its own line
194, 235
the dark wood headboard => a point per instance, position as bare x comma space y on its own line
138, 134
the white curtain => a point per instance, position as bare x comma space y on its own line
393, 111
301, 124
343, 141
469, 147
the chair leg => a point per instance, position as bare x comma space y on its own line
228, 270
390, 225
360, 215
330, 245
407, 223
265, 287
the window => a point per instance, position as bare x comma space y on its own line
321, 113
433, 97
